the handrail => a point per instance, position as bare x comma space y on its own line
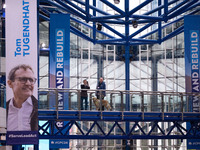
139, 100
147, 101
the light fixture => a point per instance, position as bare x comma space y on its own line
43, 45
134, 23
116, 1
99, 26
4, 6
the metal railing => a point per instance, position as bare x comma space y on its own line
150, 115
139, 101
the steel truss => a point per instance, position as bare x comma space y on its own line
137, 120
86, 13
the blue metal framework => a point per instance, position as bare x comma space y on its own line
87, 11
116, 120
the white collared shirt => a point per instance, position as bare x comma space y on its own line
19, 118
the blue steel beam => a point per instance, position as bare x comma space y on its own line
99, 18
81, 34
117, 120
113, 30
144, 40
165, 8
127, 68
118, 116
170, 23
77, 32
65, 9
160, 23
159, 8
177, 6
58, 6
94, 23
182, 9
76, 7
44, 17
44, 10
112, 21
73, 11
93, 7
193, 6
139, 7
106, 19
169, 36
140, 30
152, 18
87, 9
113, 7
110, 40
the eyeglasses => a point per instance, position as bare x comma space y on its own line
23, 80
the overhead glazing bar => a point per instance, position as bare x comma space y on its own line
139, 7
182, 9
159, 7
113, 7
75, 12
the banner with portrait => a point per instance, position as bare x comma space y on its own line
192, 74
21, 71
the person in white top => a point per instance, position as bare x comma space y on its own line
23, 107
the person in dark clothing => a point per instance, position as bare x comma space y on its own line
84, 95
101, 94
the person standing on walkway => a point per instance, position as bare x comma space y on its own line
101, 86
84, 94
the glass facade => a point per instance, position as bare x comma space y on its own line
152, 68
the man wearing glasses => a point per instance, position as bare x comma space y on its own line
22, 109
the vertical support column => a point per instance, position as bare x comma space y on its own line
154, 76
165, 9
99, 67
87, 10
159, 24
154, 99
127, 76
94, 23
127, 68
127, 85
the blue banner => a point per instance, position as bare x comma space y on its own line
192, 74
59, 67
19, 137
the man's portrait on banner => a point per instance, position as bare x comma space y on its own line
22, 109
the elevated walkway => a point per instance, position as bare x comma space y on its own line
134, 115
112, 125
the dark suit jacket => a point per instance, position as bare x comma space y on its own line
84, 92
34, 114
101, 86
